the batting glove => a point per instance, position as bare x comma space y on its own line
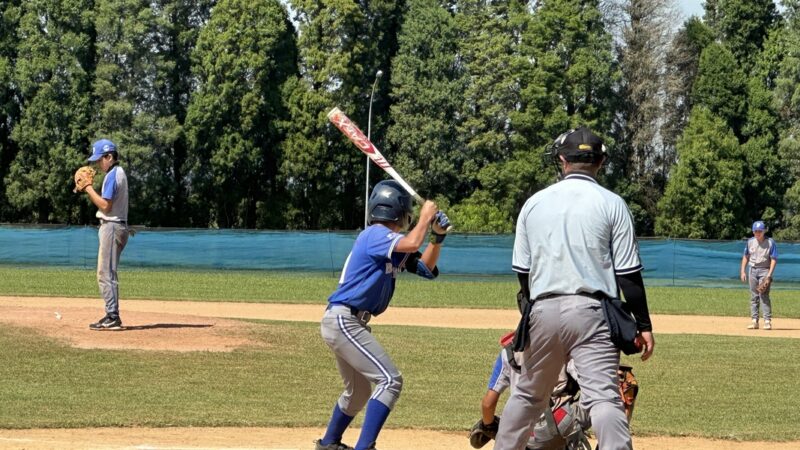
441, 224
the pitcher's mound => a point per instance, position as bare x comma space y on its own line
141, 330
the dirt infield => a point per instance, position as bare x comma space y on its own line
143, 330
170, 321
206, 326
298, 439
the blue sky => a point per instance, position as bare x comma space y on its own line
695, 7
691, 7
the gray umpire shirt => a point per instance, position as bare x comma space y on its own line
575, 237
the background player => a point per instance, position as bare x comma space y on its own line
760, 258
112, 210
365, 288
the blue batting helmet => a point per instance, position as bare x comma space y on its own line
389, 202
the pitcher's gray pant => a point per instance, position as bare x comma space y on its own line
563, 327
113, 237
756, 275
361, 361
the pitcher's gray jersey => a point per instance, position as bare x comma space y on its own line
595, 241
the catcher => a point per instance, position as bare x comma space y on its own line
561, 427
760, 258
112, 210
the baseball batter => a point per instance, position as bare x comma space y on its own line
759, 259
574, 248
365, 289
112, 211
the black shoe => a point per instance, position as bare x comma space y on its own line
107, 323
331, 446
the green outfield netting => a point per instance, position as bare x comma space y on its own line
666, 261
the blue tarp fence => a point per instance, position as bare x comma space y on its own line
666, 261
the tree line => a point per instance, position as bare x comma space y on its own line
219, 107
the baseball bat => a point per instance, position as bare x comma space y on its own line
357, 137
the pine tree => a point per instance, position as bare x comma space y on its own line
488, 51
9, 106
342, 45
55, 61
141, 89
567, 77
427, 86
495, 119
765, 177
640, 169
742, 25
682, 61
244, 56
721, 87
787, 99
574, 73
703, 198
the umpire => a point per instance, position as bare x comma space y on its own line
575, 247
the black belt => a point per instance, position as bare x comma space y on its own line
595, 295
362, 315
114, 221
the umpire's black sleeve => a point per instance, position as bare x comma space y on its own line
524, 288
632, 286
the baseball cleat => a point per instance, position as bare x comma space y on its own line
768, 325
331, 446
107, 323
753, 325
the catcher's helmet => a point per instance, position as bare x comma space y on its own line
576, 145
389, 202
580, 145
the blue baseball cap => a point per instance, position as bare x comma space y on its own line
759, 226
100, 148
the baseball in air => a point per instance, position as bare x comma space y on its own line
58, 315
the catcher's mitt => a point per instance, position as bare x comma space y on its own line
628, 389
84, 177
763, 286
481, 433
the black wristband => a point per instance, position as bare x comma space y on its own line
437, 238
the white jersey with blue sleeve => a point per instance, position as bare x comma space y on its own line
500, 379
115, 188
760, 254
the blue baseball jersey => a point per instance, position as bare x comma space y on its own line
370, 271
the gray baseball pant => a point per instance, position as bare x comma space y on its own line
361, 361
563, 327
113, 237
756, 275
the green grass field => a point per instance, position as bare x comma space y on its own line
741, 388
720, 387
272, 287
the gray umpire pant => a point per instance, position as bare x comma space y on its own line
564, 327
113, 237
361, 361
756, 275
